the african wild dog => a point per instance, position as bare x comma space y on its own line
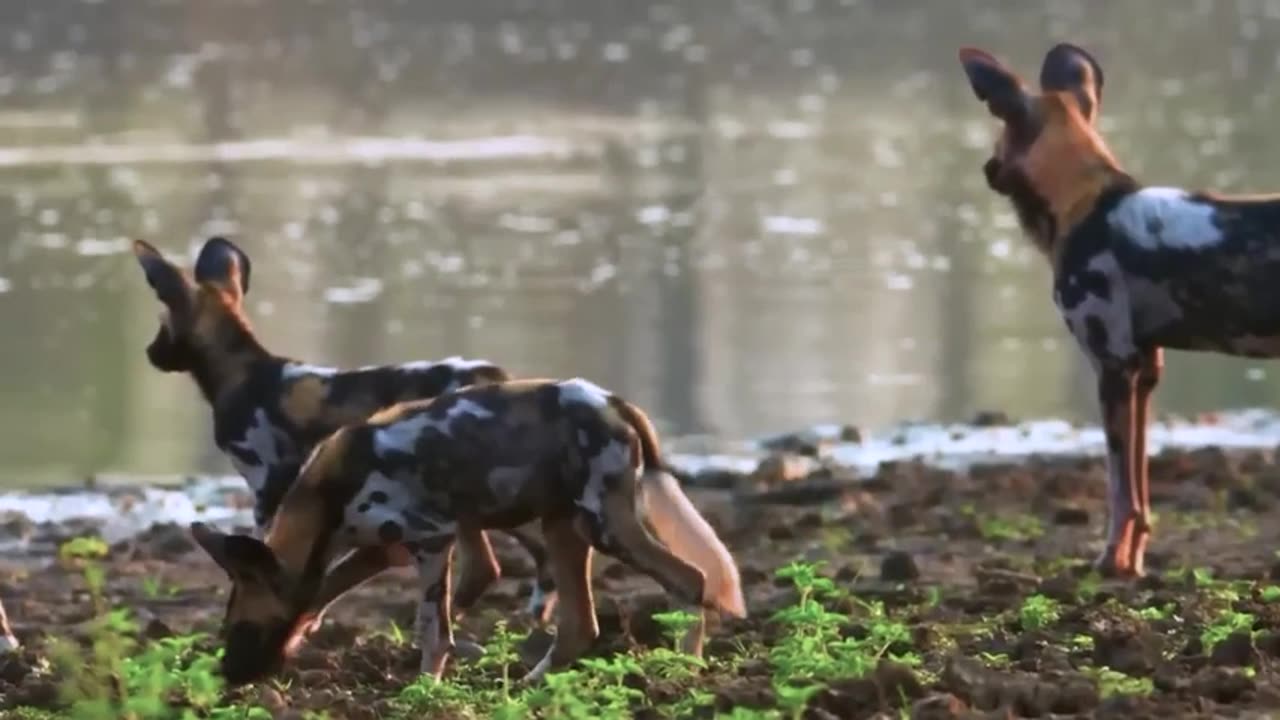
408, 480
270, 411
1135, 268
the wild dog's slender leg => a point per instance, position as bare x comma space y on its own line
479, 567
1116, 394
433, 627
542, 601
577, 629
7, 640
619, 532
1149, 372
354, 570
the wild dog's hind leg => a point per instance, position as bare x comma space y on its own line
7, 640
577, 628
1149, 372
434, 630
542, 601
1117, 392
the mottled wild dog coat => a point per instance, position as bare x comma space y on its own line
407, 481
269, 411
1135, 268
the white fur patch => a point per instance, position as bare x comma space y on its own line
1165, 217
293, 371
583, 391
259, 438
368, 522
402, 436
1115, 313
456, 362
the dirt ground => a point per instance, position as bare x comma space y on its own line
955, 555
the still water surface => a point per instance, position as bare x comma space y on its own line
746, 216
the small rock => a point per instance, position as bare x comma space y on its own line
850, 434
963, 676
1070, 515
718, 479
781, 469
991, 418
272, 700
781, 532
1268, 643
1076, 696
898, 566
1221, 684
1235, 650
941, 706
1128, 651
14, 667
157, 629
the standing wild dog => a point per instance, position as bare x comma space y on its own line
270, 411
410, 479
1135, 268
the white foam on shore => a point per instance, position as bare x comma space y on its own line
127, 510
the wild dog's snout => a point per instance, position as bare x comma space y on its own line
253, 652
991, 170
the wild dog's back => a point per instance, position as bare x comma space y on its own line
494, 453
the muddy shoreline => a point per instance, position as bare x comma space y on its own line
958, 536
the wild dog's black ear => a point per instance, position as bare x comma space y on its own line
1000, 88
224, 264
1070, 68
238, 555
162, 276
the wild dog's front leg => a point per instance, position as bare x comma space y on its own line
434, 628
619, 532
577, 629
1117, 395
1149, 372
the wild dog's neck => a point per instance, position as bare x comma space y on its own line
225, 359
303, 534
1055, 203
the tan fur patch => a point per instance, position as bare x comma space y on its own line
1068, 165
305, 400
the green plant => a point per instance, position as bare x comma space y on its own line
1038, 611
814, 651
1226, 623
1111, 682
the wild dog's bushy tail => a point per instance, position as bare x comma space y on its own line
678, 524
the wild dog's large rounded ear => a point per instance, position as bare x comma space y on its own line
224, 264
1070, 68
1000, 88
238, 555
162, 276
212, 542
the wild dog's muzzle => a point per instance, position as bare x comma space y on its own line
991, 169
167, 355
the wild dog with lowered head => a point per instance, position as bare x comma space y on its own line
1136, 268
269, 411
410, 479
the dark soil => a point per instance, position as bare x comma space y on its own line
954, 555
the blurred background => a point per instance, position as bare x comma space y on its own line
748, 217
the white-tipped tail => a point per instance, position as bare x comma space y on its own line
680, 526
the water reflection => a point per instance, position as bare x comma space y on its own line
746, 216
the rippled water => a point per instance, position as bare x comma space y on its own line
746, 216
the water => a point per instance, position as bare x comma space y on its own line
748, 217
